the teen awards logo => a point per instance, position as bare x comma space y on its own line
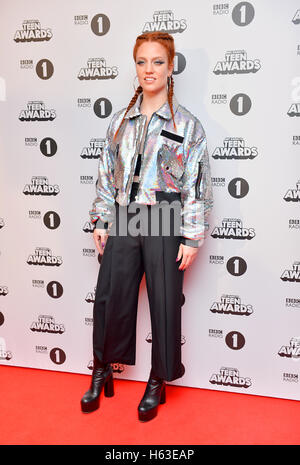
296, 18
3, 290
88, 227
292, 275
293, 195
291, 351
90, 298
97, 69
47, 324
294, 110
37, 111
236, 62
149, 338
32, 32
231, 305
230, 377
164, 21
4, 353
94, 149
40, 186
232, 228
43, 257
234, 148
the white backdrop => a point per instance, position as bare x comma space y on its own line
66, 67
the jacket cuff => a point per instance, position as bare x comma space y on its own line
191, 242
101, 224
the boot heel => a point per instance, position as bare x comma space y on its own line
163, 395
109, 387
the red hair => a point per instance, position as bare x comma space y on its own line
167, 41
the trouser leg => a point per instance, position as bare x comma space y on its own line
116, 300
164, 283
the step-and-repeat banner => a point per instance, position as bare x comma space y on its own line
66, 68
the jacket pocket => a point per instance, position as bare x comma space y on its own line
169, 163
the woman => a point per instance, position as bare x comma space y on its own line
154, 158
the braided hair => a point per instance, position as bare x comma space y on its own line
167, 41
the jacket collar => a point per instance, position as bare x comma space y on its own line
164, 111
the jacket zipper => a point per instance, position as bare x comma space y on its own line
143, 150
198, 182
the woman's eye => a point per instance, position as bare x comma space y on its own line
156, 62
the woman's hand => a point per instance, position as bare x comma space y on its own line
187, 254
100, 238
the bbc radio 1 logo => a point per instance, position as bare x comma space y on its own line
37, 111
236, 62
234, 148
291, 351
47, 324
54, 288
293, 195
292, 275
165, 21
94, 150
97, 69
48, 146
100, 24
102, 107
51, 219
237, 187
236, 265
232, 228
57, 355
240, 104
44, 67
42, 256
230, 377
32, 31
40, 186
231, 305
234, 339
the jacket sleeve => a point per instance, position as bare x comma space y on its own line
103, 207
196, 195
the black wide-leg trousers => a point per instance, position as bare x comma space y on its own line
125, 260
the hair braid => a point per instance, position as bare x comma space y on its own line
138, 91
170, 99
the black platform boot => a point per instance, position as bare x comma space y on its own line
102, 376
154, 395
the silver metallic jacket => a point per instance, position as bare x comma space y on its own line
172, 161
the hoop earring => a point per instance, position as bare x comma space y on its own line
135, 88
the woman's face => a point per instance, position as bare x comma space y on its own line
152, 67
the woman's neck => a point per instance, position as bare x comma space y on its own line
152, 102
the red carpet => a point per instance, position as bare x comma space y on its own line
43, 407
